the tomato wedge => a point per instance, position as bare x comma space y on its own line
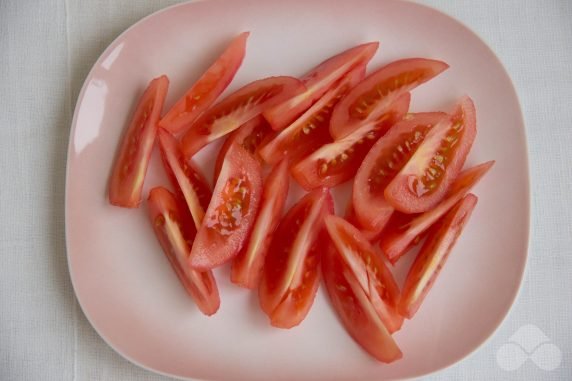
237, 109
337, 162
250, 136
387, 156
175, 231
402, 233
372, 275
372, 97
433, 255
350, 216
354, 308
247, 266
231, 212
185, 177
290, 276
207, 89
310, 131
128, 173
424, 180
317, 82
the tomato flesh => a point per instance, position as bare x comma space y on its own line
317, 82
128, 173
250, 136
337, 162
185, 177
387, 156
237, 109
290, 275
207, 89
310, 130
247, 266
424, 180
372, 97
406, 231
350, 216
433, 255
169, 223
355, 310
231, 212
371, 273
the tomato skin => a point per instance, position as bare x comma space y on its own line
247, 266
317, 82
250, 136
404, 231
354, 309
290, 276
310, 131
433, 255
424, 180
372, 275
175, 231
337, 162
208, 87
387, 156
231, 212
128, 173
188, 181
238, 108
371, 97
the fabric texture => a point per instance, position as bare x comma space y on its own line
48, 47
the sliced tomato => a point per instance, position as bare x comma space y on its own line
355, 309
207, 89
247, 266
185, 177
128, 173
372, 274
175, 231
337, 162
310, 130
317, 82
237, 109
231, 212
433, 255
387, 156
372, 97
290, 276
404, 231
250, 136
424, 180
350, 216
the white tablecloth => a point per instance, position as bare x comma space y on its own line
47, 48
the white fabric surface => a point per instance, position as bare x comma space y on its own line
47, 49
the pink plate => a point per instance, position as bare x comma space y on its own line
122, 279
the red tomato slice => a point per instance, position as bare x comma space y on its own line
387, 156
231, 212
404, 231
250, 136
337, 162
310, 130
424, 180
207, 89
354, 308
317, 82
247, 266
237, 109
185, 177
128, 173
290, 276
372, 97
372, 275
175, 233
350, 216
433, 255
